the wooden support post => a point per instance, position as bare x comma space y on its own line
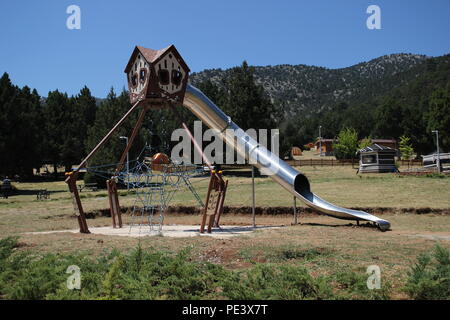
215, 198
111, 210
78, 208
114, 206
221, 202
111, 205
117, 205
207, 204
72, 177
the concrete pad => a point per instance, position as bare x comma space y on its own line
172, 231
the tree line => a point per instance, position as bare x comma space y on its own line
60, 130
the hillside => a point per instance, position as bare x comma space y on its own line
302, 87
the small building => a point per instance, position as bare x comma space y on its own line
391, 143
327, 146
376, 159
430, 161
296, 152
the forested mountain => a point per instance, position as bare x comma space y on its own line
302, 87
389, 97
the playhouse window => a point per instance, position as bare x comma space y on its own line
164, 77
133, 80
177, 76
142, 74
368, 159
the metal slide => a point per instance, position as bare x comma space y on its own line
267, 162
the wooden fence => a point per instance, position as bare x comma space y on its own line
344, 162
329, 163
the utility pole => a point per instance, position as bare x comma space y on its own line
253, 198
320, 140
128, 163
438, 161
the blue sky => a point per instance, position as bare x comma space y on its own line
38, 50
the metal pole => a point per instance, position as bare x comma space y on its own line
295, 211
253, 197
438, 161
438, 152
320, 141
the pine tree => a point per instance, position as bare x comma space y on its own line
20, 134
246, 102
57, 126
347, 144
439, 115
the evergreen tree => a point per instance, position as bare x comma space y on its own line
406, 149
388, 117
246, 102
439, 115
57, 127
20, 135
347, 144
8, 99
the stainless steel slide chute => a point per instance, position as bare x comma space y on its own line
268, 163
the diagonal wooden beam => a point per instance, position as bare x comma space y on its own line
131, 139
105, 138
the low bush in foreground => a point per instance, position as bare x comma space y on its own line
150, 274
429, 278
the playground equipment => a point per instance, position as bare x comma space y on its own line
156, 181
158, 79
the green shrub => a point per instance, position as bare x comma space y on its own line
353, 285
266, 281
429, 278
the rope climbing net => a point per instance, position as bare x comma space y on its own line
153, 183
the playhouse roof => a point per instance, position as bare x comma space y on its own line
376, 148
153, 56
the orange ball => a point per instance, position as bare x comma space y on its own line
158, 160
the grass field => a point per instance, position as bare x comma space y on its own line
323, 245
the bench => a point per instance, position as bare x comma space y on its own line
43, 195
90, 186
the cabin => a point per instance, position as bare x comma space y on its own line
377, 159
156, 75
327, 146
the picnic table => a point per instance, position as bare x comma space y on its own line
90, 186
43, 195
